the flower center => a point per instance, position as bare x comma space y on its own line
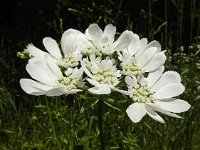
69, 82
106, 77
92, 50
98, 50
67, 61
142, 94
132, 69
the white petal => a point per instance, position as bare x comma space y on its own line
68, 71
141, 79
156, 62
94, 33
123, 41
153, 114
86, 70
145, 57
103, 89
53, 66
154, 76
56, 91
134, 45
169, 91
92, 57
32, 87
154, 44
110, 31
109, 64
166, 78
93, 82
37, 74
34, 51
68, 42
157, 108
41, 72
130, 81
52, 47
143, 44
136, 112
175, 105
103, 41
94, 68
73, 91
121, 91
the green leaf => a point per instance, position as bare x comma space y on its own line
113, 104
88, 103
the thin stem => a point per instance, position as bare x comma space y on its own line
100, 123
52, 125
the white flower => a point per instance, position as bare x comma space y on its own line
100, 42
141, 57
70, 48
104, 76
49, 80
155, 93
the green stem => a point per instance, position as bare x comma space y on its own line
52, 125
100, 123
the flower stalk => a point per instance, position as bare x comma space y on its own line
100, 123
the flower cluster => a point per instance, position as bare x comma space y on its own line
96, 60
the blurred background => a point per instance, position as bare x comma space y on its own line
28, 122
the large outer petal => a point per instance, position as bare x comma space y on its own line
110, 31
57, 91
40, 71
154, 44
68, 43
157, 108
52, 47
153, 114
169, 91
94, 33
123, 41
143, 44
167, 78
134, 45
156, 62
136, 112
154, 76
173, 105
146, 56
34, 88
53, 66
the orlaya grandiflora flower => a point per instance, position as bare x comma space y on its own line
49, 80
155, 93
70, 48
141, 56
103, 74
100, 42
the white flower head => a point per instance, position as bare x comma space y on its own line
49, 80
141, 56
100, 42
71, 53
155, 93
103, 75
